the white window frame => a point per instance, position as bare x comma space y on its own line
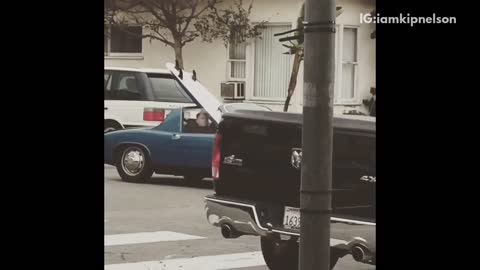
110, 55
251, 71
338, 100
229, 64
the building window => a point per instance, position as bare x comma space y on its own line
237, 61
125, 40
346, 66
271, 67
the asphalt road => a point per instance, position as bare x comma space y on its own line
162, 225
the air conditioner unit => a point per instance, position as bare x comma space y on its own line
232, 90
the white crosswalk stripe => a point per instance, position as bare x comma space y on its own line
147, 237
215, 262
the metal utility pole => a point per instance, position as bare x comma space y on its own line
315, 190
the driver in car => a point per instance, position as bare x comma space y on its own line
201, 124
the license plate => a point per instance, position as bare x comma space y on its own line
291, 218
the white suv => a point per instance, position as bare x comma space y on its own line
136, 98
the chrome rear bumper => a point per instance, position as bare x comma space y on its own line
354, 237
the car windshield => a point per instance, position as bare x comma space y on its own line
166, 89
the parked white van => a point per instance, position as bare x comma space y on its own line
136, 98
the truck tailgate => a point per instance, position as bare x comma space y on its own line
256, 164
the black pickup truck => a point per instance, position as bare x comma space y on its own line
256, 167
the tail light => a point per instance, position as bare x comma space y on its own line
153, 114
216, 156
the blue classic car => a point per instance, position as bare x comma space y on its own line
171, 148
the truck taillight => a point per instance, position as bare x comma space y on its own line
216, 156
153, 114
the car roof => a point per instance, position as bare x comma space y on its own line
232, 107
143, 70
348, 122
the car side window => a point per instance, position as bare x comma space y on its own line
107, 85
190, 124
125, 86
167, 89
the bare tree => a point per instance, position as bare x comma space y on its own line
168, 21
178, 22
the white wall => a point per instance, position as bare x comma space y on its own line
209, 59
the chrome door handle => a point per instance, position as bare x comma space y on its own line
176, 137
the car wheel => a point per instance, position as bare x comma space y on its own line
110, 126
134, 165
280, 255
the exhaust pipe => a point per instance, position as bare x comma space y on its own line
228, 231
361, 254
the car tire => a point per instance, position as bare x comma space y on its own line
335, 255
110, 126
280, 255
134, 164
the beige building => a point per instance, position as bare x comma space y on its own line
260, 63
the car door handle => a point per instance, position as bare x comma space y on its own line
105, 108
176, 137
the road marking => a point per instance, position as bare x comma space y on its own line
216, 262
146, 237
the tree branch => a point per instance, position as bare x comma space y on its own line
214, 2
159, 37
169, 23
157, 15
162, 38
189, 19
193, 6
188, 40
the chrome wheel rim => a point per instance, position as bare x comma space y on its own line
133, 161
